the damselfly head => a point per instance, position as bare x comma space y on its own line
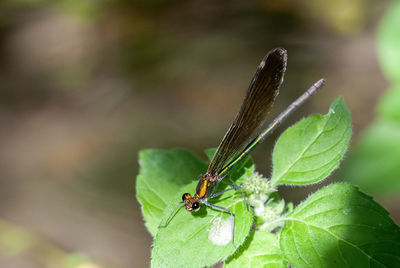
191, 203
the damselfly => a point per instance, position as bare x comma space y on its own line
244, 134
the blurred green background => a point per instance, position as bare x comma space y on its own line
85, 85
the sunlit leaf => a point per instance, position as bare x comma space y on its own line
311, 149
162, 180
338, 226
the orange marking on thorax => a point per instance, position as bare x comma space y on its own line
203, 188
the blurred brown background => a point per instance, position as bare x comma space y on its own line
85, 85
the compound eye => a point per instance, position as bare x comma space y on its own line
185, 196
196, 206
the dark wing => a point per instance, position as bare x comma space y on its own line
252, 114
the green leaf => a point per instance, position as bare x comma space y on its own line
373, 164
162, 180
311, 149
203, 238
338, 226
162, 174
389, 42
263, 251
389, 104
